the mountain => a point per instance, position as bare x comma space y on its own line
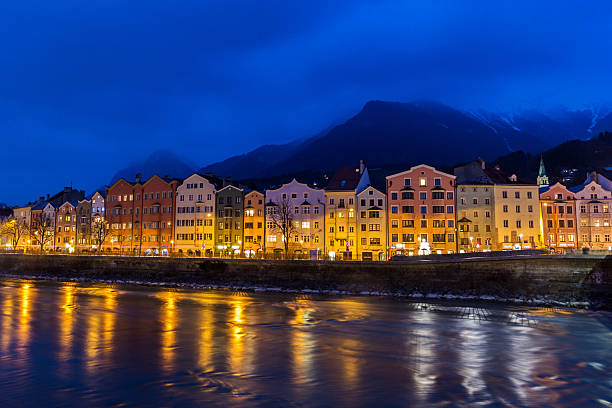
574, 154
160, 162
393, 133
255, 163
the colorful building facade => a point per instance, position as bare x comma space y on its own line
65, 226
371, 225
507, 208
594, 220
558, 217
421, 203
229, 234
341, 228
141, 216
254, 224
306, 210
195, 215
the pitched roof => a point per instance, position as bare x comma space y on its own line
217, 182
345, 179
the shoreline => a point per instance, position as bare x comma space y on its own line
253, 290
577, 282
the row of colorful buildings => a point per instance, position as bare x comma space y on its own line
421, 210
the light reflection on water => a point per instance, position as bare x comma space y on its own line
99, 345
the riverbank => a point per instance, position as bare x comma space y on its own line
572, 281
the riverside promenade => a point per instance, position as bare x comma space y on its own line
582, 281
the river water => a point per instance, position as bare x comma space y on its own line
68, 344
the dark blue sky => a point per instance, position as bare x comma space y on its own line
89, 86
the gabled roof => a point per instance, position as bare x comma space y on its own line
293, 182
413, 168
345, 179
464, 219
101, 192
230, 186
217, 182
373, 188
73, 203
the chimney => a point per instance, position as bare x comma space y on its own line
482, 163
138, 177
67, 189
361, 166
48, 196
41, 198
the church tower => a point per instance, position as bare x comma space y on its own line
542, 177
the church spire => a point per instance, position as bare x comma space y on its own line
542, 177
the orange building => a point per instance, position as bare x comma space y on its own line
558, 217
254, 227
421, 212
141, 215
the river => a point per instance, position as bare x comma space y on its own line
89, 345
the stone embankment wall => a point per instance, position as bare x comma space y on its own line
547, 278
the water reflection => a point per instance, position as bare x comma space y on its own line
303, 342
23, 328
66, 320
7, 321
169, 323
105, 345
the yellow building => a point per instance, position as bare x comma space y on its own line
195, 215
372, 225
505, 206
475, 218
341, 212
254, 227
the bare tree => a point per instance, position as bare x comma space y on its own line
42, 232
99, 232
281, 216
14, 229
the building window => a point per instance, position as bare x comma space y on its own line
423, 182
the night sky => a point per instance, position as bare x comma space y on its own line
89, 86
